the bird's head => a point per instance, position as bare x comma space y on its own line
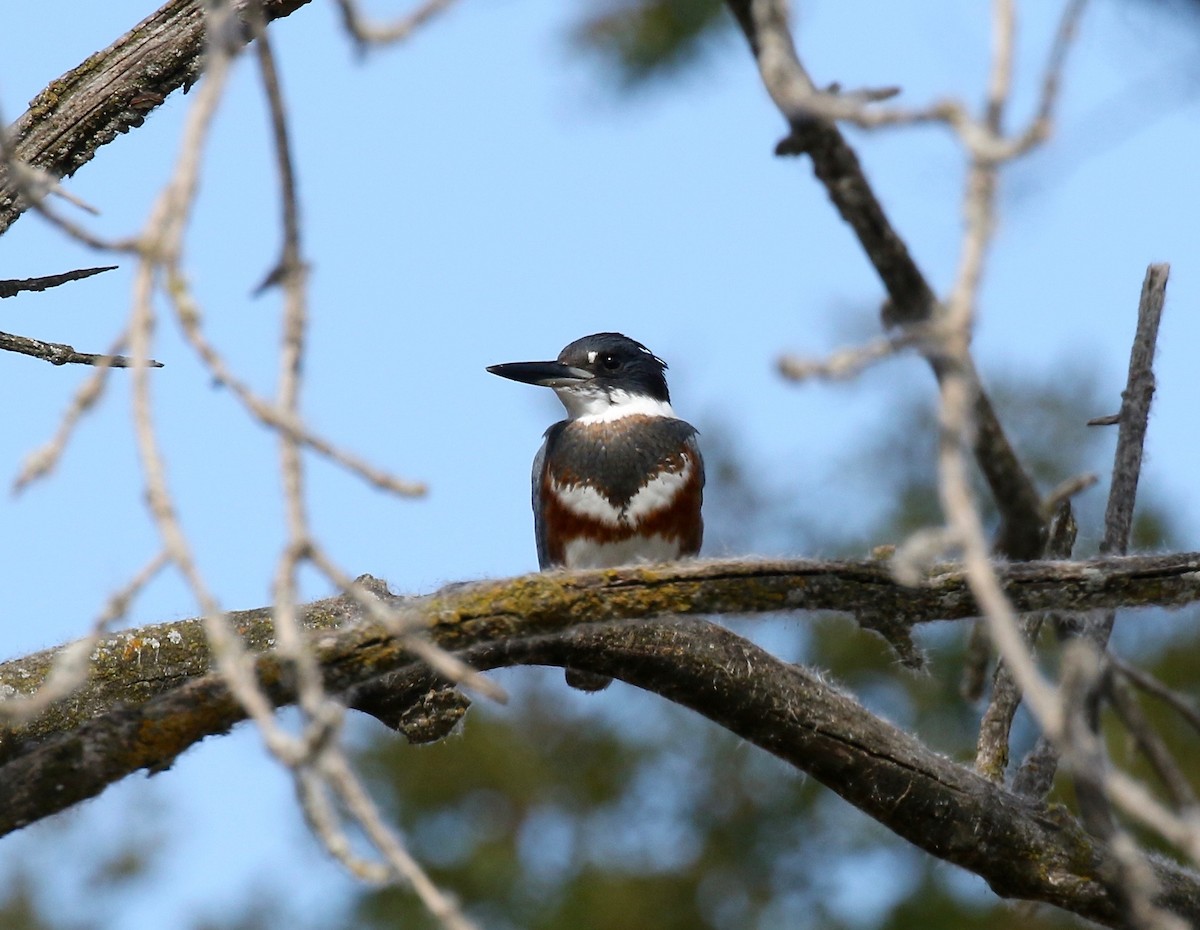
604, 376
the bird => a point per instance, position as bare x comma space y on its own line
621, 479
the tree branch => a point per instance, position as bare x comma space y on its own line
136, 665
992, 748
1021, 847
13, 286
1134, 415
113, 91
910, 298
59, 353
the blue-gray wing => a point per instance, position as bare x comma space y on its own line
539, 529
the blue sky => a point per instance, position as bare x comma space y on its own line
478, 196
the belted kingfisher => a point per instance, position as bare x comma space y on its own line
621, 479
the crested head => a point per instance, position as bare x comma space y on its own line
600, 377
625, 379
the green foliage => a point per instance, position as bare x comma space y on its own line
685, 827
639, 40
30, 897
553, 816
19, 910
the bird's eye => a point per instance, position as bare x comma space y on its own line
609, 361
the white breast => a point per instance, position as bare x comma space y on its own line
587, 553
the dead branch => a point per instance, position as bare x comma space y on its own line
1134, 415
14, 286
367, 32
113, 91
992, 747
59, 353
910, 298
1133, 418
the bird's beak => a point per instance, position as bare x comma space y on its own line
544, 374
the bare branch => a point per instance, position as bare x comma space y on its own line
552, 601
1180, 703
14, 286
112, 92
72, 664
848, 363
1151, 744
910, 298
1135, 413
1133, 418
365, 32
58, 353
992, 750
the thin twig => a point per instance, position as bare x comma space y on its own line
1132, 881
1178, 702
995, 726
293, 280
1134, 414
847, 363
1151, 744
14, 286
188, 315
160, 244
366, 32
910, 298
43, 460
959, 505
58, 353
958, 429
358, 802
409, 629
70, 669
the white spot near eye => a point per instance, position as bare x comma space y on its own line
591, 358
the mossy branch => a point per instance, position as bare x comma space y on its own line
151, 695
113, 91
135, 665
